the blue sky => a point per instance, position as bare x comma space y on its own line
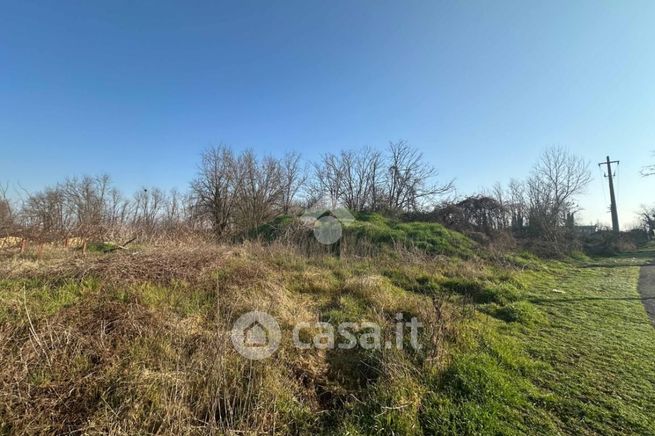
138, 89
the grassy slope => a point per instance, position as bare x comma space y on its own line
377, 233
431, 238
137, 344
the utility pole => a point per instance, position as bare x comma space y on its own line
609, 175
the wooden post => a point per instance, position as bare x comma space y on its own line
23, 246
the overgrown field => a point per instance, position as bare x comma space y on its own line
138, 342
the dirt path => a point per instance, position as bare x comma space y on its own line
647, 289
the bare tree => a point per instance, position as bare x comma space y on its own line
117, 212
91, 208
498, 193
556, 180
367, 179
148, 207
45, 215
648, 218
214, 188
517, 204
86, 200
512, 201
80, 207
176, 210
361, 178
259, 191
327, 183
409, 183
350, 178
293, 177
7, 221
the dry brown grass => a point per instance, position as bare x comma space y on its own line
152, 264
10, 242
146, 348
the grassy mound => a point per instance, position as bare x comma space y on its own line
372, 233
431, 238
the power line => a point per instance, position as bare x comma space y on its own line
602, 184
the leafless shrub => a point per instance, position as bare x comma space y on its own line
7, 219
477, 213
158, 265
84, 207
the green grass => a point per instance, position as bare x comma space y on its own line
101, 247
587, 331
40, 297
521, 312
431, 238
374, 230
599, 347
525, 346
572, 352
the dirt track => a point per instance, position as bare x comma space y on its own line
647, 289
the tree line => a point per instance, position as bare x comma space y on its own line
232, 192
542, 206
236, 191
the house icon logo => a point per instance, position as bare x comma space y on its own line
327, 222
256, 335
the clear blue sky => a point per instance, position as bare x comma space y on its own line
138, 89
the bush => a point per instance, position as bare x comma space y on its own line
549, 249
272, 230
608, 243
